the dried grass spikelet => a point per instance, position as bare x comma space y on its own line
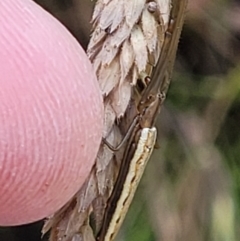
126, 41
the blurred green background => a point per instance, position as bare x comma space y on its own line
191, 188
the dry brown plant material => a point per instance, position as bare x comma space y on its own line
126, 42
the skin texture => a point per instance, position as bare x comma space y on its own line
51, 114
